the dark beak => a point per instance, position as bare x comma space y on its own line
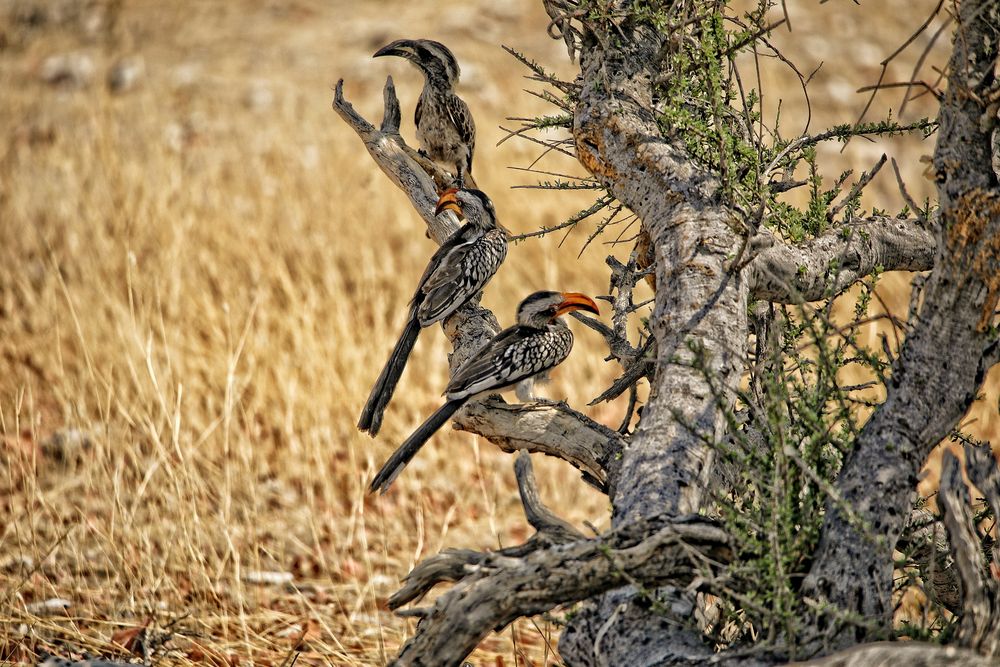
576, 301
449, 202
394, 49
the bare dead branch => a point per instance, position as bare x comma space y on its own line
415, 175
643, 365
928, 88
496, 590
892, 56
555, 430
549, 526
452, 565
449, 565
563, 13
923, 55
906, 193
980, 624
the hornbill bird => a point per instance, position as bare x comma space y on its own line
538, 342
458, 270
444, 123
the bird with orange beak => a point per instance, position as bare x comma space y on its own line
538, 342
457, 272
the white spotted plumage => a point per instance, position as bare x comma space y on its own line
539, 341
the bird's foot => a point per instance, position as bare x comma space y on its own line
540, 402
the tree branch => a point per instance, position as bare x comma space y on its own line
541, 518
980, 625
559, 432
420, 178
827, 265
497, 589
453, 564
554, 430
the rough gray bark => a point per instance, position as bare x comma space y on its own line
538, 428
699, 301
827, 265
497, 588
979, 628
942, 362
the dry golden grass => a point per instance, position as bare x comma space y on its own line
203, 275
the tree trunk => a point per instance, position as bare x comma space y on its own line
942, 362
699, 321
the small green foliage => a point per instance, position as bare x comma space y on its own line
790, 432
548, 122
704, 105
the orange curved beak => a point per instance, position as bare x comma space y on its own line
577, 301
448, 202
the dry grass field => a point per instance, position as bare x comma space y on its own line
201, 275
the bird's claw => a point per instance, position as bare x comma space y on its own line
538, 402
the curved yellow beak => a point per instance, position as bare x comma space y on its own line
577, 301
448, 202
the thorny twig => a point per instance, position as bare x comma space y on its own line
855, 192
633, 359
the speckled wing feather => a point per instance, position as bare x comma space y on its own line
440, 301
461, 117
514, 354
442, 261
457, 275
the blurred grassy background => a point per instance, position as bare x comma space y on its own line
202, 272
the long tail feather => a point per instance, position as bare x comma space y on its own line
385, 385
406, 451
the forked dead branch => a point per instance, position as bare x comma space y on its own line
540, 428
